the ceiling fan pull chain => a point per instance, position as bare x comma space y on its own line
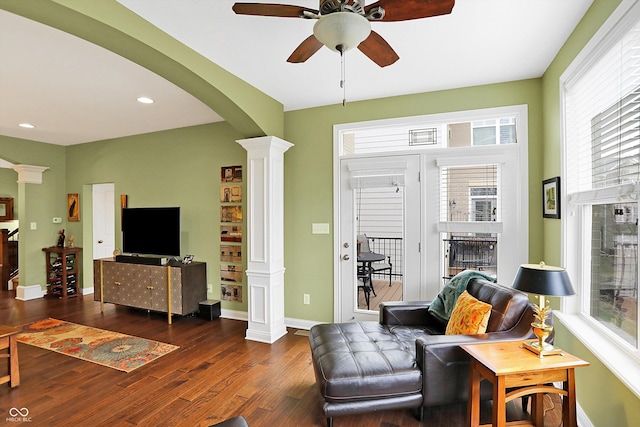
343, 83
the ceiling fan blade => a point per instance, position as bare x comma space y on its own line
304, 51
271, 9
404, 10
378, 50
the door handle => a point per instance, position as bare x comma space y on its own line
346, 257
100, 241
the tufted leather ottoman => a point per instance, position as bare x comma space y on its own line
361, 367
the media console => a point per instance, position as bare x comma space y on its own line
175, 288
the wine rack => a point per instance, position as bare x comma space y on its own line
63, 271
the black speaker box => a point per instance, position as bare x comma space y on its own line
209, 309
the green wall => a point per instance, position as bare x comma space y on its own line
8, 184
35, 203
179, 167
605, 399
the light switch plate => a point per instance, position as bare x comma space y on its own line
320, 228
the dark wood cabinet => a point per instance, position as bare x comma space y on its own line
63, 271
174, 289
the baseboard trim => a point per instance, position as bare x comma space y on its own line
299, 323
234, 314
583, 420
288, 321
26, 293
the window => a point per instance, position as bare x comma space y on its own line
492, 132
601, 99
484, 203
469, 193
613, 300
431, 133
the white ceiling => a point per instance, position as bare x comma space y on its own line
76, 92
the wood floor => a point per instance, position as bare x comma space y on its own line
216, 374
384, 292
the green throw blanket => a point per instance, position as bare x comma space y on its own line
442, 306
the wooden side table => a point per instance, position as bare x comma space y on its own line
8, 341
509, 366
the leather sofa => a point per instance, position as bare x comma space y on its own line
405, 360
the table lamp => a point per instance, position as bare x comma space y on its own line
542, 280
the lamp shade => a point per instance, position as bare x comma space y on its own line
341, 31
543, 279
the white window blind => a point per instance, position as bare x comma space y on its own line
603, 118
380, 211
469, 193
602, 146
615, 136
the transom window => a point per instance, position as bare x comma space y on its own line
429, 134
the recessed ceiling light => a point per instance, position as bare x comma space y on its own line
27, 125
145, 100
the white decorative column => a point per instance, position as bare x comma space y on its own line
27, 174
265, 237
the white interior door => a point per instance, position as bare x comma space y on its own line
400, 174
103, 220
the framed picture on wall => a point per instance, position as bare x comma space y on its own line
231, 174
230, 213
73, 207
231, 233
231, 253
231, 272
551, 198
231, 292
230, 193
6, 209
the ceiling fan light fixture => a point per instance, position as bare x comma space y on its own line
341, 31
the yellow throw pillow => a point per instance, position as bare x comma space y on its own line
469, 316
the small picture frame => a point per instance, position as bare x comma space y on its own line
6, 209
230, 194
73, 207
230, 292
231, 272
231, 174
231, 233
231, 213
551, 198
231, 253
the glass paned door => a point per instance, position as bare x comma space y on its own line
379, 234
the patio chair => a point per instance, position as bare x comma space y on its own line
378, 267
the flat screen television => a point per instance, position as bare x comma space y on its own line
151, 231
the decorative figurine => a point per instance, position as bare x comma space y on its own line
70, 241
61, 238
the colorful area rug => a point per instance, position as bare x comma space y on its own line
112, 349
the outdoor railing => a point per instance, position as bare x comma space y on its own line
391, 247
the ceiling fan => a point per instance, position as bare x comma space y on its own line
345, 24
